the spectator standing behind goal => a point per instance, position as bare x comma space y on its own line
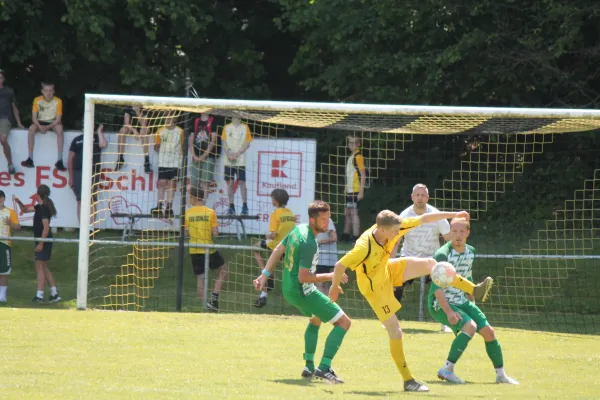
8, 222
424, 240
47, 116
202, 143
8, 112
282, 221
76, 166
43, 212
236, 139
201, 225
356, 179
134, 118
168, 143
327, 242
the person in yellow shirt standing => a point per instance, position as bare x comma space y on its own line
377, 275
8, 222
356, 179
236, 138
46, 115
201, 225
281, 223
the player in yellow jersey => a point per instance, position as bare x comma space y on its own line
281, 223
8, 222
377, 275
201, 225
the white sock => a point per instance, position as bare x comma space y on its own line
263, 294
500, 371
449, 365
53, 291
3, 292
40, 294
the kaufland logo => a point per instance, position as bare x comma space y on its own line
279, 170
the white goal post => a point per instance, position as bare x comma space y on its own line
352, 117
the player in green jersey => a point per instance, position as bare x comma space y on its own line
454, 308
298, 286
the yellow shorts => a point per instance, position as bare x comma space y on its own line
380, 293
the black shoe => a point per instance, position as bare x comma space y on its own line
60, 166
147, 167
28, 163
328, 375
169, 213
307, 373
260, 302
244, 210
38, 300
54, 299
213, 305
156, 212
415, 386
231, 211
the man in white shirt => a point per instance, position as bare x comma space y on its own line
327, 242
424, 240
236, 138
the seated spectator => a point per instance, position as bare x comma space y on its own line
8, 112
46, 115
135, 122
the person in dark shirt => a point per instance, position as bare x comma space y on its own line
76, 166
203, 145
43, 213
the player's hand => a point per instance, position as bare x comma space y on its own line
39, 247
259, 283
344, 278
453, 317
462, 214
334, 292
360, 196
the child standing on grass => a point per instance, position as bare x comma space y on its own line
43, 212
281, 223
457, 310
8, 222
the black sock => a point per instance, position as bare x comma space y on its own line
147, 159
169, 206
231, 205
121, 158
215, 296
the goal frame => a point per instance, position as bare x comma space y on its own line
202, 104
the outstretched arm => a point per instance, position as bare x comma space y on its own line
436, 216
24, 208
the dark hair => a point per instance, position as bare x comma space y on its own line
44, 192
2, 194
317, 207
197, 193
44, 84
280, 196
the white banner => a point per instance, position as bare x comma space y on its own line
270, 163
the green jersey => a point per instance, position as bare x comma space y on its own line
301, 251
463, 264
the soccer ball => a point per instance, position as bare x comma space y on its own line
443, 274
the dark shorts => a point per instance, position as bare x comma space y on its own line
215, 261
324, 269
5, 256
45, 123
232, 172
167, 174
77, 183
46, 252
352, 200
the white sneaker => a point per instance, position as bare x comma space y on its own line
447, 375
506, 379
445, 329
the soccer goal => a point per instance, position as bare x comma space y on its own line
529, 178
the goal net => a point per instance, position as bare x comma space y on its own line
528, 177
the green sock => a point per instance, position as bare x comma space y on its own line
311, 336
494, 352
459, 345
332, 345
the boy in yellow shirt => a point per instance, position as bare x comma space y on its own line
8, 222
201, 225
281, 223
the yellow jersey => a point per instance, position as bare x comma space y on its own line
282, 222
200, 221
370, 259
47, 111
234, 137
4, 227
355, 167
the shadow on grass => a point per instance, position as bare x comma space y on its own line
296, 382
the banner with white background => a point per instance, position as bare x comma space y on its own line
270, 163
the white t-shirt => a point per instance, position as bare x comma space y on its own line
327, 259
423, 241
234, 137
170, 154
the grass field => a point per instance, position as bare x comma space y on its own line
100, 355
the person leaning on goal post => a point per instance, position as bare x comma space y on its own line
282, 221
298, 288
377, 275
201, 226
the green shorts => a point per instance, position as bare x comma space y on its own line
468, 311
316, 304
202, 172
4, 259
5, 126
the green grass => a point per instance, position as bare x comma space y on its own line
105, 355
